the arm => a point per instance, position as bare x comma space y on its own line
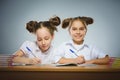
104, 60
78, 60
20, 59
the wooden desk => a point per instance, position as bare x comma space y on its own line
46, 72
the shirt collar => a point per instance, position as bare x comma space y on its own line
38, 49
71, 43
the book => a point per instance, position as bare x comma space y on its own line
116, 63
74, 64
66, 64
21, 64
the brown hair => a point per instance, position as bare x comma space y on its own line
68, 21
51, 25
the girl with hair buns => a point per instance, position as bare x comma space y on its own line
76, 50
41, 50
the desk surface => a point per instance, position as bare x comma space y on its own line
96, 68
46, 72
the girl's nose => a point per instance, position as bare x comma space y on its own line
43, 42
78, 31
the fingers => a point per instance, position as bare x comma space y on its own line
80, 59
81, 56
35, 61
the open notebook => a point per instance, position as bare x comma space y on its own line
67, 64
74, 64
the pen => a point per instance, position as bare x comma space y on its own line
30, 51
73, 52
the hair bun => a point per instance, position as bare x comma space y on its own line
55, 21
66, 22
88, 20
30, 26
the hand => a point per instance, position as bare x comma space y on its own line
34, 61
89, 62
80, 59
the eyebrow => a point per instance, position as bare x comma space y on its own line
43, 37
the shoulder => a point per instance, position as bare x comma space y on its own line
90, 46
29, 42
95, 48
61, 47
64, 44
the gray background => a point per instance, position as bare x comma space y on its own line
104, 33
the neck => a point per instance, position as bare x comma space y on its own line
78, 42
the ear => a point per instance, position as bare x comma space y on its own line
53, 36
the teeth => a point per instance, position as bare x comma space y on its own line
77, 36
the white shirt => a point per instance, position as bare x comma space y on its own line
70, 50
46, 57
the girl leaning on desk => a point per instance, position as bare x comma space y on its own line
39, 51
77, 50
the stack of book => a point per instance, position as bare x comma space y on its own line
116, 63
6, 59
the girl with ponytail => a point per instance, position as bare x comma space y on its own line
39, 51
76, 50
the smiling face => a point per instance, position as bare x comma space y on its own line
44, 38
77, 31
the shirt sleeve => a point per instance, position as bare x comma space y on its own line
23, 47
98, 53
59, 53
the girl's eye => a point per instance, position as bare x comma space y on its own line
39, 39
74, 29
82, 28
46, 38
